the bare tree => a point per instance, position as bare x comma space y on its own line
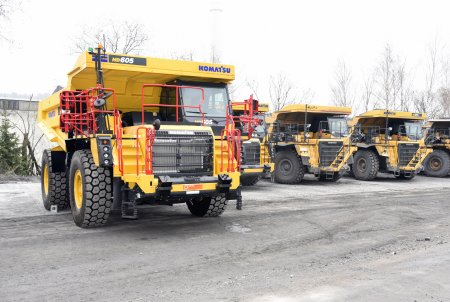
367, 93
425, 101
341, 90
253, 86
185, 56
385, 79
4, 8
30, 140
281, 91
443, 93
122, 38
7, 7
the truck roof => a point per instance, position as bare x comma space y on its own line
126, 74
379, 113
262, 107
332, 110
316, 109
119, 68
304, 113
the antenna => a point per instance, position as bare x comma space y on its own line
304, 124
216, 20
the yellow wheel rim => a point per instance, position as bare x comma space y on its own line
46, 181
78, 189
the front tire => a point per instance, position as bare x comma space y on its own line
53, 185
289, 168
90, 191
365, 165
208, 206
437, 164
250, 179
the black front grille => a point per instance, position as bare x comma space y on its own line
406, 152
185, 152
328, 152
251, 153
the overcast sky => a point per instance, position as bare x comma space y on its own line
302, 39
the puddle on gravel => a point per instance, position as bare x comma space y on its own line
237, 228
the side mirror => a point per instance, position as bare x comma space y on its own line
98, 103
157, 124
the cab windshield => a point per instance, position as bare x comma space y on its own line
214, 104
338, 126
413, 130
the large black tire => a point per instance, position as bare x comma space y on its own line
437, 164
289, 168
92, 203
365, 165
336, 177
208, 206
53, 185
250, 179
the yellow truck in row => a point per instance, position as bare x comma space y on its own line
310, 139
437, 164
255, 157
388, 141
130, 131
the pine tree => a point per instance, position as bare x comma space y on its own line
10, 151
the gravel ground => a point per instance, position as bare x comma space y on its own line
349, 241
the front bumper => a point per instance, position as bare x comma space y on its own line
257, 169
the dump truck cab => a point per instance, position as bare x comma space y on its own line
310, 139
437, 163
135, 130
388, 141
255, 158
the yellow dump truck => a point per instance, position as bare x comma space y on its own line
437, 163
255, 158
388, 141
310, 139
131, 131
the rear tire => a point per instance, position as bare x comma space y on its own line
289, 168
437, 164
53, 185
90, 190
208, 206
365, 165
250, 179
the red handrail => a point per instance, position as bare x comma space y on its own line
78, 114
233, 138
149, 140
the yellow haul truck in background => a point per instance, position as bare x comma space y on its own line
149, 131
388, 141
437, 163
255, 158
310, 139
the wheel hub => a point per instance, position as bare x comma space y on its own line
78, 189
286, 166
435, 164
46, 179
362, 165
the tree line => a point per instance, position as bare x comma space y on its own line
392, 84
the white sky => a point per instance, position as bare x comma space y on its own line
303, 39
